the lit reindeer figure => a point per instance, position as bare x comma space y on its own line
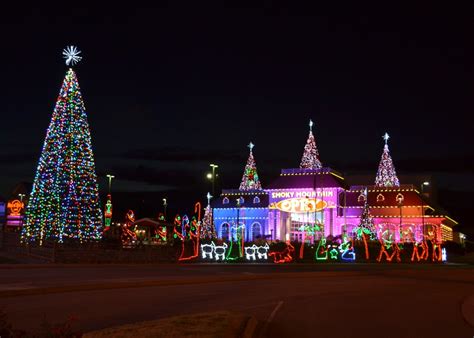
207, 250
219, 251
250, 252
262, 251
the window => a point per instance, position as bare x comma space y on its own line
380, 198
225, 200
256, 200
256, 231
225, 231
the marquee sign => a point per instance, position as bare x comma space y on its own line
299, 205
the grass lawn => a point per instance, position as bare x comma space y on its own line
215, 324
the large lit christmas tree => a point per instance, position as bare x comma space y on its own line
250, 179
386, 175
310, 159
207, 230
64, 200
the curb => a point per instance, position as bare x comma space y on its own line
467, 310
250, 326
245, 327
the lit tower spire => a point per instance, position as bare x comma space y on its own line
250, 179
386, 174
310, 159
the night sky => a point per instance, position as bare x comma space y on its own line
169, 90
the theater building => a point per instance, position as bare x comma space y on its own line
307, 203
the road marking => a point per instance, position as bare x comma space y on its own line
272, 315
263, 333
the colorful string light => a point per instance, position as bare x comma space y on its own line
64, 200
386, 175
284, 256
250, 180
310, 159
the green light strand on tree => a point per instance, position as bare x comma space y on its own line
64, 201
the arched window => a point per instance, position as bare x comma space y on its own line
256, 200
225, 231
256, 231
225, 200
380, 198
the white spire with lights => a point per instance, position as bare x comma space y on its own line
310, 159
250, 180
386, 174
209, 196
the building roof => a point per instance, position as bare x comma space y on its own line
248, 199
386, 197
307, 179
383, 196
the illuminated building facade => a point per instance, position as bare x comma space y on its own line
311, 202
307, 197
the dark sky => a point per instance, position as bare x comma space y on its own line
169, 90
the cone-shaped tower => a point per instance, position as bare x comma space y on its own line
310, 159
207, 227
250, 180
64, 200
386, 175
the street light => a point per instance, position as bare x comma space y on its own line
213, 176
426, 183
164, 206
110, 180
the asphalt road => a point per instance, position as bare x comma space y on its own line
289, 301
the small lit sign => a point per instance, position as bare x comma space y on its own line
15, 207
299, 205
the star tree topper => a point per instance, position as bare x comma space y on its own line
251, 145
386, 137
71, 55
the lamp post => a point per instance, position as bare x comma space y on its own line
164, 207
400, 204
213, 176
426, 183
110, 180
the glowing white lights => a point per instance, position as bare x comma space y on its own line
444, 255
255, 252
71, 55
213, 251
